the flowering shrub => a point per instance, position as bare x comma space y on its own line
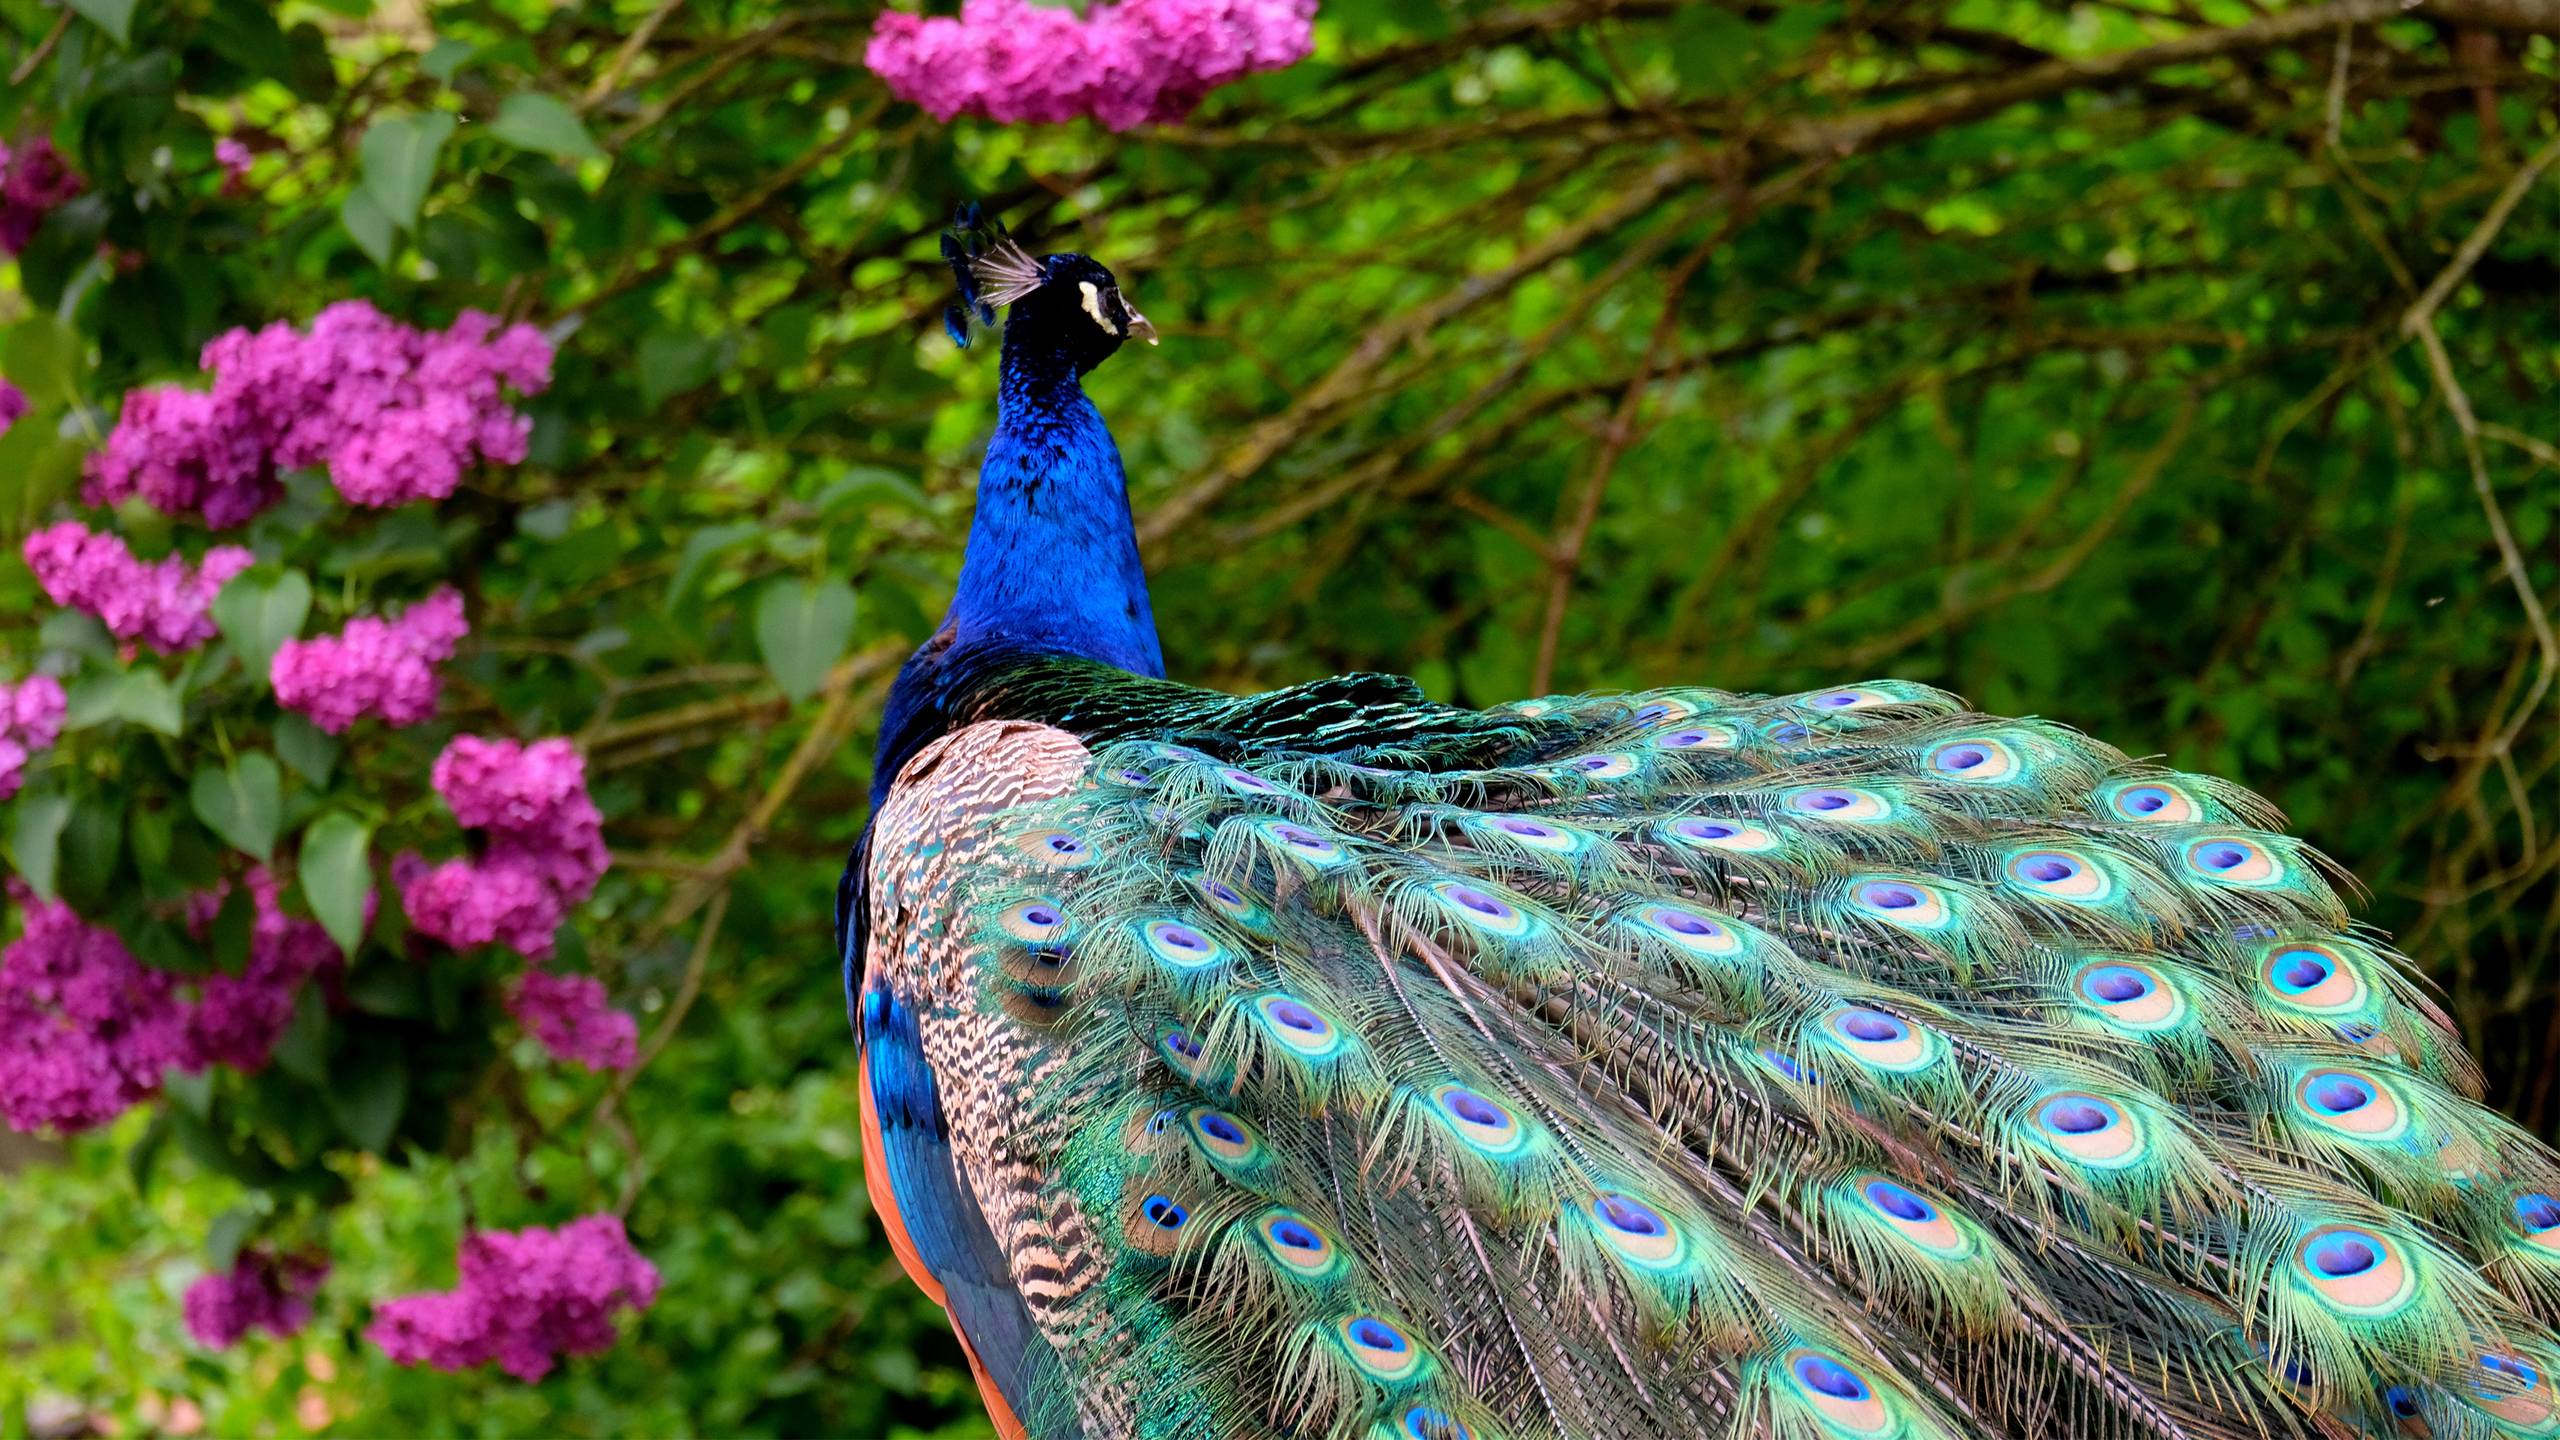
456, 513
30, 721
235, 158
85, 1029
526, 1299
394, 413
385, 668
260, 1291
1132, 63
166, 604
545, 847
33, 180
237, 1019
570, 1016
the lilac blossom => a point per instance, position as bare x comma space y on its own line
570, 1016
526, 1299
1133, 63
30, 721
234, 160
545, 848
166, 604
385, 668
86, 1030
260, 1291
394, 413
13, 406
237, 1020
33, 181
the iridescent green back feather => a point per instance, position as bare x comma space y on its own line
1834, 1065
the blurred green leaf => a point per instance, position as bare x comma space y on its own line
35, 838
336, 875
147, 699
366, 220
529, 120
310, 751
46, 359
400, 164
91, 847
803, 628
368, 1086
303, 1051
671, 364
113, 16
230, 1230
445, 59
242, 802
259, 609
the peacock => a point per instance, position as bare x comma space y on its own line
1844, 1065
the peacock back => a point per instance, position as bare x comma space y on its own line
1333, 1063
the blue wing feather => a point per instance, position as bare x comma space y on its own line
941, 1217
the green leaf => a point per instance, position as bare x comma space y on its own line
143, 1160
303, 1051
336, 875
46, 358
701, 548
232, 933
243, 803
229, 1231
89, 850
191, 1089
445, 59
368, 1088
147, 699
803, 629
397, 990
536, 122
670, 364
259, 612
35, 841
363, 217
310, 750
113, 16
400, 163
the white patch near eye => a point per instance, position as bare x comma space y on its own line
1093, 306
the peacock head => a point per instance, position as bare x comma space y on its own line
1068, 306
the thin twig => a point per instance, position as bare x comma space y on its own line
44, 48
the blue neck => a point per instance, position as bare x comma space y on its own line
1052, 563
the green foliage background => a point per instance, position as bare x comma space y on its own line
2122, 363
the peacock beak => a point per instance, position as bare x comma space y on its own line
1142, 327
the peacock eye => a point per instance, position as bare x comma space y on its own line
1093, 306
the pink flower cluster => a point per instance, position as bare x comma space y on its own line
545, 851
30, 720
259, 1292
237, 1019
85, 1029
569, 1015
526, 1298
233, 158
373, 667
394, 412
166, 604
33, 180
1129, 64
13, 406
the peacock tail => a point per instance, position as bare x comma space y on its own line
1836, 1066
1845, 1064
